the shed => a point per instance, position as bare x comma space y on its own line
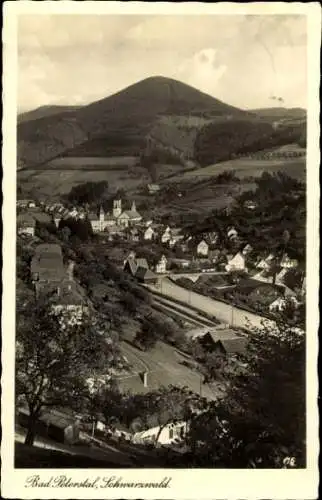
145, 275
57, 425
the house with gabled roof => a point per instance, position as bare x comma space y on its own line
145, 275
232, 233
237, 263
288, 263
202, 248
280, 303
161, 266
149, 233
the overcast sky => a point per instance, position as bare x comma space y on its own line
245, 61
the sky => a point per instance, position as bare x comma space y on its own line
246, 61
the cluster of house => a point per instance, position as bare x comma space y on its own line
64, 426
50, 277
28, 214
115, 222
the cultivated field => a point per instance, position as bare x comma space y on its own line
54, 182
243, 167
92, 162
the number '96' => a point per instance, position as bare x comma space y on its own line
289, 462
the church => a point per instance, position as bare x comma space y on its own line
118, 217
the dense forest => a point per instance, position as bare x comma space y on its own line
222, 141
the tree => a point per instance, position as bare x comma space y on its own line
157, 408
65, 233
147, 336
55, 359
261, 419
168, 405
129, 302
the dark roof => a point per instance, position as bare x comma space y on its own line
52, 248
237, 345
48, 262
250, 284
131, 263
132, 214
41, 216
92, 216
142, 263
145, 274
293, 278
56, 418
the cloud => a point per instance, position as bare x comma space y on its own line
239, 59
202, 71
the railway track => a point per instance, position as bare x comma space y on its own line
167, 305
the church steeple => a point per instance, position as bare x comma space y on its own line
102, 214
133, 208
117, 208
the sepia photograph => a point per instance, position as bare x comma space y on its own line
161, 243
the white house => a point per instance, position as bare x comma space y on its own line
57, 220
166, 235
280, 276
202, 248
250, 205
149, 234
161, 266
70, 303
170, 433
26, 224
232, 233
237, 263
153, 188
247, 249
266, 264
288, 263
264, 276
280, 303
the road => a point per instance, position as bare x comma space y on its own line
227, 313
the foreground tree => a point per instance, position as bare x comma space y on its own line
56, 359
261, 420
158, 408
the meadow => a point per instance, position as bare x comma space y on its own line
112, 163
54, 182
249, 167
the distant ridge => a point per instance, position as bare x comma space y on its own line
281, 113
156, 112
128, 115
44, 111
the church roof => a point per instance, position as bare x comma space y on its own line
132, 214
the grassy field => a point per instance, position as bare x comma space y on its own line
56, 182
165, 366
243, 167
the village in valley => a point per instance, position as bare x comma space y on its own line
187, 300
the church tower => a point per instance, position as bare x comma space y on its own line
117, 208
133, 208
102, 214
